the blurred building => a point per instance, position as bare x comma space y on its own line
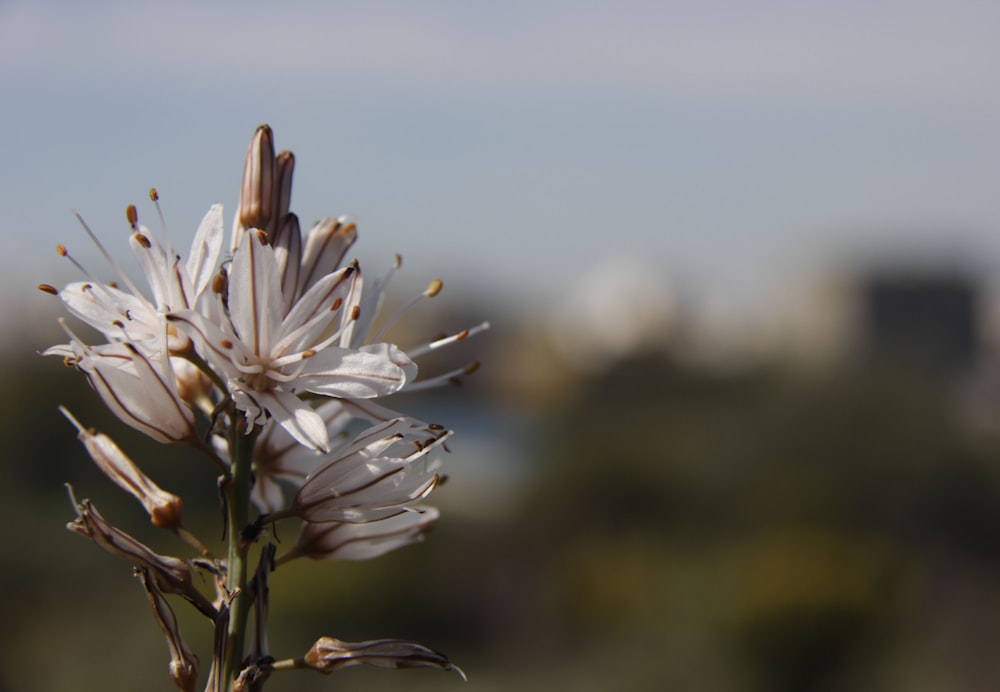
927, 318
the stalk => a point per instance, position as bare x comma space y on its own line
239, 519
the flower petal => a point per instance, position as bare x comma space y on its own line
326, 244
112, 311
371, 371
255, 303
205, 250
297, 418
342, 541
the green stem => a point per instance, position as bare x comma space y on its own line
239, 519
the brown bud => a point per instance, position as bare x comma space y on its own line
257, 194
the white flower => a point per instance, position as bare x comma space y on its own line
140, 389
279, 459
127, 314
268, 358
383, 471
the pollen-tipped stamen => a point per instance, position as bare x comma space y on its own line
444, 341
433, 288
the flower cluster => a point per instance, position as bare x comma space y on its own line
265, 359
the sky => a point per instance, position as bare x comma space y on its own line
516, 149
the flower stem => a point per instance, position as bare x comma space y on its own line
239, 519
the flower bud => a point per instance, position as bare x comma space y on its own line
257, 195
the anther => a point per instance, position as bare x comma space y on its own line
220, 283
61, 249
262, 237
118, 323
433, 288
142, 240
226, 344
471, 367
46, 288
132, 215
435, 427
355, 312
308, 353
154, 195
336, 304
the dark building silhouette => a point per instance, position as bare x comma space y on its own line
920, 319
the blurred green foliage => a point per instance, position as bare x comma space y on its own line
765, 530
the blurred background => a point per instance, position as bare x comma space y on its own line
736, 424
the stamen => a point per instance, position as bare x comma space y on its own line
46, 288
444, 341
295, 334
132, 215
453, 377
433, 288
77, 424
154, 196
114, 265
220, 283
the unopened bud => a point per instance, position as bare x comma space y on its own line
257, 195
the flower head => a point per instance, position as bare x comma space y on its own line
268, 358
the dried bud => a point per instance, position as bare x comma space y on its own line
329, 654
183, 663
257, 194
164, 508
169, 574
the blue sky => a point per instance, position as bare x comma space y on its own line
518, 146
